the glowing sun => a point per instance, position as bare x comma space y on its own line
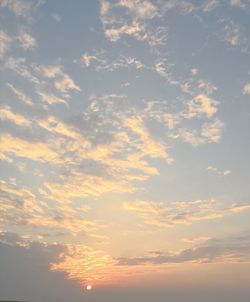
89, 287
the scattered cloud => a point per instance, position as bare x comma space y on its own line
246, 89
5, 41
227, 172
229, 250
133, 21
84, 264
244, 4
161, 215
234, 34
216, 170
56, 17
21, 96
20, 66
62, 81
7, 114
200, 105
99, 62
26, 40
21, 8
25, 149
210, 5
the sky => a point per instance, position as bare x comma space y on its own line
124, 150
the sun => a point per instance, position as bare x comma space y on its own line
88, 287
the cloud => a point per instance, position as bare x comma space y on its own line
217, 171
210, 5
227, 172
202, 105
160, 215
147, 146
26, 40
63, 82
135, 29
246, 89
29, 265
211, 168
50, 98
56, 17
30, 150
142, 9
5, 42
234, 34
84, 264
7, 114
22, 8
79, 184
131, 21
21, 208
20, 66
100, 63
17, 204
229, 250
243, 4
54, 125
210, 132
21, 96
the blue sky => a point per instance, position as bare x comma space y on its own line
124, 149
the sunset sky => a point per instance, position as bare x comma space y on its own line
125, 150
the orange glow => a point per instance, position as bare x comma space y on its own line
88, 287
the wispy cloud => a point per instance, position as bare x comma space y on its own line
5, 41
7, 114
246, 89
235, 249
26, 40
21, 8
21, 96
161, 215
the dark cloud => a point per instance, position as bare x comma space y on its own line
236, 249
25, 272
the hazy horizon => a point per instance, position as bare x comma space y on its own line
125, 150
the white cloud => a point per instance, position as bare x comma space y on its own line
20, 7
99, 62
211, 168
227, 172
7, 114
66, 83
56, 17
244, 4
141, 9
26, 40
246, 89
211, 131
5, 42
202, 105
63, 82
24, 98
161, 215
210, 5
135, 29
194, 71
132, 21
50, 99
234, 34
219, 172
20, 66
